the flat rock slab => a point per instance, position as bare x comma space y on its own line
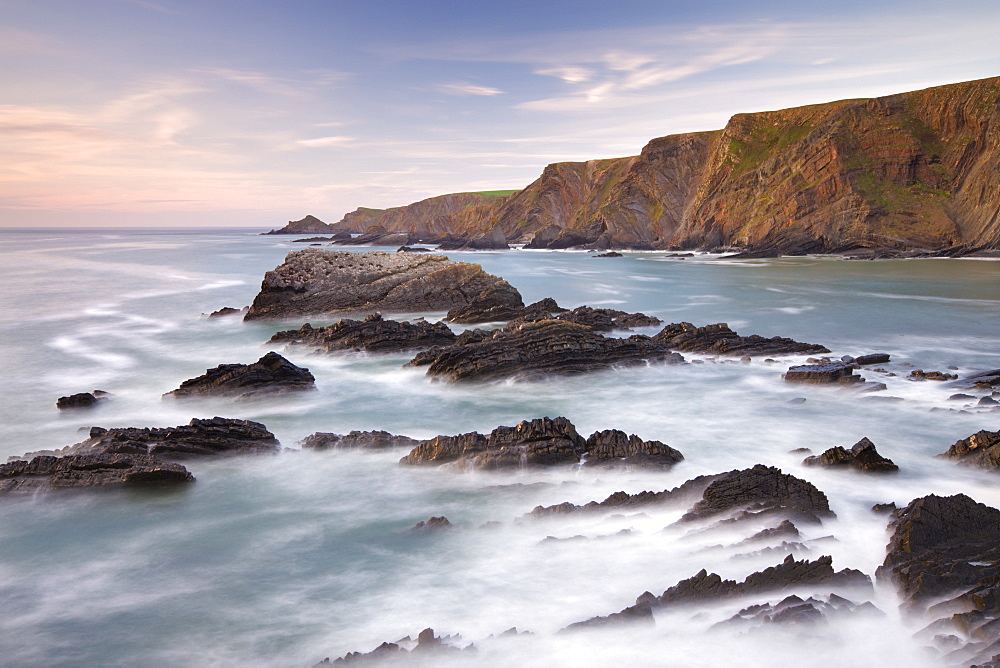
357, 440
271, 374
47, 473
317, 281
214, 436
833, 372
719, 339
373, 334
537, 349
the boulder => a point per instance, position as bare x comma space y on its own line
982, 449
873, 358
718, 339
46, 473
316, 281
537, 349
833, 372
541, 442
82, 400
494, 240
862, 457
373, 334
357, 440
271, 374
215, 436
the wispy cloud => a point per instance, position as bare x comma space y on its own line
324, 142
468, 89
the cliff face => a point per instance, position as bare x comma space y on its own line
432, 217
308, 225
917, 170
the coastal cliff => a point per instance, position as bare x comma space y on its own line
914, 171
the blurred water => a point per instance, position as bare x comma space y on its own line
285, 560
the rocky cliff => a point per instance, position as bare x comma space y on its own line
914, 171
430, 218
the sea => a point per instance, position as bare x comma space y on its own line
285, 560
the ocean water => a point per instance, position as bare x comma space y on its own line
285, 560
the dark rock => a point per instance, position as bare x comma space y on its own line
536, 349
498, 302
82, 400
433, 524
495, 240
307, 225
641, 612
961, 397
609, 254
271, 374
337, 236
982, 380
718, 339
412, 249
215, 436
607, 319
873, 358
820, 373
987, 401
427, 644
46, 473
373, 334
982, 449
884, 508
227, 311
318, 281
541, 442
862, 456
785, 529
793, 611
357, 440
920, 374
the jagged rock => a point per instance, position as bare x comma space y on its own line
535, 349
786, 529
271, 374
357, 440
641, 612
319, 281
873, 358
607, 319
427, 644
862, 456
227, 311
373, 334
413, 249
46, 473
609, 254
794, 611
498, 302
821, 373
214, 436
82, 400
981, 449
433, 524
308, 225
920, 374
541, 442
718, 339
884, 508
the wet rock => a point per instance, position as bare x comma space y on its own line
82, 400
786, 529
982, 380
227, 311
641, 612
541, 442
920, 374
337, 236
271, 374
718, 339
537, 349
497, 303
987, 401
427, 645
794, 611
319, 281
413, 249
862, 457
884, 508
982, 449
821, 373
609, 254
433, 524
873, 358
373, 334
46, 473
357, 440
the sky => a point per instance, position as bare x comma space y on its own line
253, 113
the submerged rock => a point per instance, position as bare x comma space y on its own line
357, 440
427, 646
982, 449
215, 436
718, 339
82, 400
542, 442
46, 473
227, 311
433, 524
373, 334
271, 374
317, 281
535, 349
862, 456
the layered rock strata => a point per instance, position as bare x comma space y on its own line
316, 281
719, 339
46, 473
982, 449
271, 374
373, 334
357, 440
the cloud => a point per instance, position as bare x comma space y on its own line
570, 75
468, 89
324, 142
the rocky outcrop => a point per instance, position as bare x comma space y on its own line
542, 442
504, 304
430, 219
497, 303
913, 172
861, 457
944, 557
427, 647
316, 281
795, 611
200, 437
982, 449
270, 375
718, 339
373, 334
82, 400
820, 374
432, 525
308, 225
536, 349
357, 440
46, 473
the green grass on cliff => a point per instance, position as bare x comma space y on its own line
763, 142
495, 194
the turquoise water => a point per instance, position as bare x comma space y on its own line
285, 560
